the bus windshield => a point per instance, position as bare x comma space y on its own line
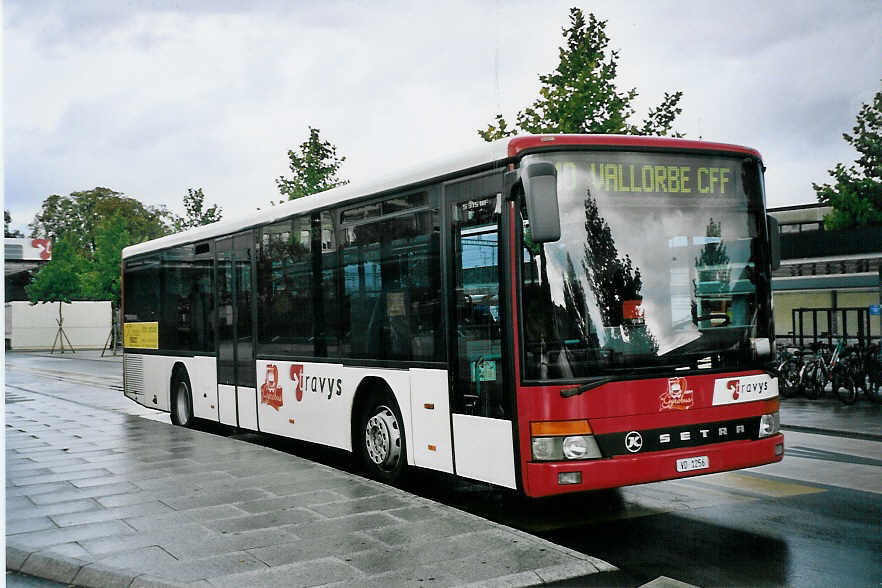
659, 266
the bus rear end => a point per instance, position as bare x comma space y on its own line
644, 323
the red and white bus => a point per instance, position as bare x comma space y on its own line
549, 313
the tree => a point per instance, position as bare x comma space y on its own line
102, 280
581, 95
195, 212
314, 168
713, 255
59, 280
7, 230
78, 216
856, 195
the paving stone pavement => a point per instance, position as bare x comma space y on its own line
100, 498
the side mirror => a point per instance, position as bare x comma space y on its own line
540, 192
774, 241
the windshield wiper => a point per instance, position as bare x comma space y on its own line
589, 385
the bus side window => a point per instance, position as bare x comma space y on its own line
391, 283
285, 324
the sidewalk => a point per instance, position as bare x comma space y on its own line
862, 420
99, 498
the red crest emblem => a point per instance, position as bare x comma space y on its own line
270, 391
678, 396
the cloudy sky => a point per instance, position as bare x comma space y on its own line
152, 97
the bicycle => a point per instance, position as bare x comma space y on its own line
819, 371
788, 364
873, 369
851, 376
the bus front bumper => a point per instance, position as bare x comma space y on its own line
543, 479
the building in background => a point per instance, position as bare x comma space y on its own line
22, 258
835, 271
27, 326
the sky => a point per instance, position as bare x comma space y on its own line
150, 98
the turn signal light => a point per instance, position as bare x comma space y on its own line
549, 428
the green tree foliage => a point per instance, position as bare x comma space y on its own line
856, 194
314, 168
78, 216
60, 279
581, 95
196, 214
7, 230
713, 255
102, 280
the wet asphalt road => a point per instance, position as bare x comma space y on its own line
815, 519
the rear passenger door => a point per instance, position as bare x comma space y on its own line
237, 393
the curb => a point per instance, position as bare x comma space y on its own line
69, 570
832, 432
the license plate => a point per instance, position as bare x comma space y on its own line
693, 463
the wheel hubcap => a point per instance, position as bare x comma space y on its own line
181, 403
382, 438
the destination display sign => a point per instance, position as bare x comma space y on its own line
676, 179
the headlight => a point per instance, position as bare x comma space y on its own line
543, 448
563, 440
575, 447
770, 424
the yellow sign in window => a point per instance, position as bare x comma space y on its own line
141, 335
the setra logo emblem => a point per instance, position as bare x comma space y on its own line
633, 441
270, 391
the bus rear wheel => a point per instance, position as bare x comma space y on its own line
181, 400
381, 441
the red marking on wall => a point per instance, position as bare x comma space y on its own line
45, 247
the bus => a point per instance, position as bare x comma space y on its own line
546, 313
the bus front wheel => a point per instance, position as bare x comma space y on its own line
181, 400
381, 440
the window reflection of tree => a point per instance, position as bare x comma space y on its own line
613, 281
563, 339
711, 265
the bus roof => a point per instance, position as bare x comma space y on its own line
497, 152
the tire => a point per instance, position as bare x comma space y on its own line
381, 440
873, 390
181, 399
874, 381
844, 387
789, 371
812, 381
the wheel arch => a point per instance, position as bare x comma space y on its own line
179, 373
368, 388
178, 369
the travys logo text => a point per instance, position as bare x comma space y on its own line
326, 386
